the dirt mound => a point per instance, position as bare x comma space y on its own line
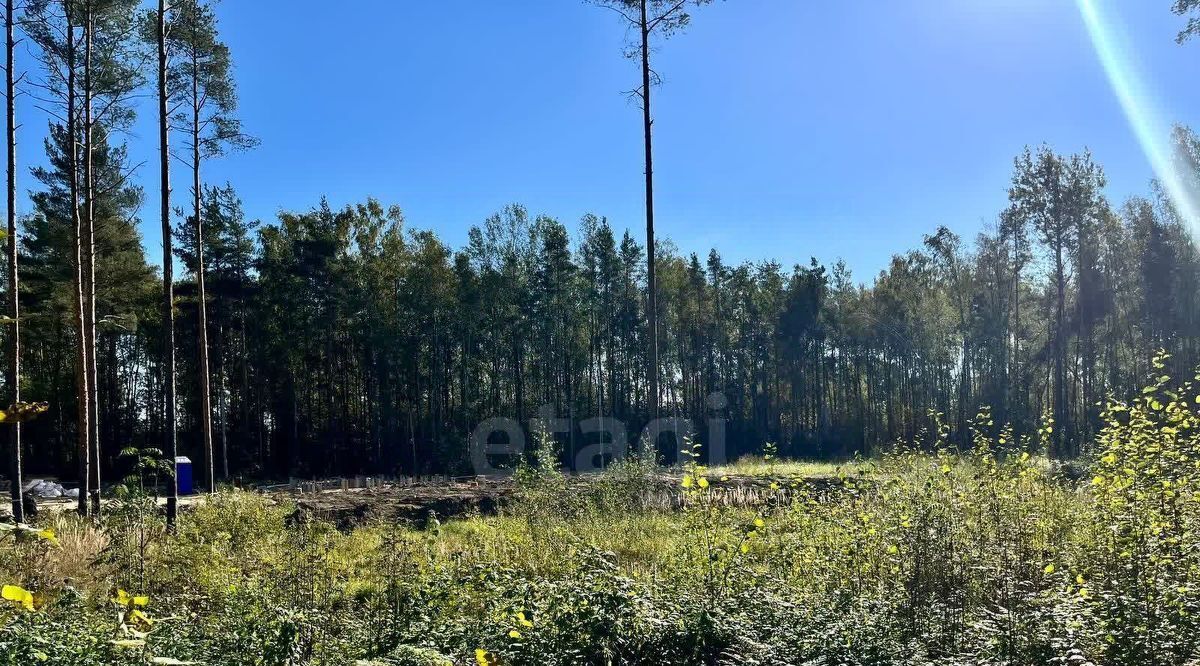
414, 503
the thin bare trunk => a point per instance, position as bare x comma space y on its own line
1015, 381
223, 408
201, 298
89, 249
651, 284
14, 299
81, 374
168, 310
1059, 434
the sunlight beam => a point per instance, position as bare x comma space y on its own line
1137, 104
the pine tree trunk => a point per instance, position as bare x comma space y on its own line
201, 298
90, 257
13, 378
81, 375
651, 284
171, 444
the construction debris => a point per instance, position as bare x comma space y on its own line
43, 489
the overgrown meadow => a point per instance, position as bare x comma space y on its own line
985, 556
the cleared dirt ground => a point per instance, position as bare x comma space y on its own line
415, 501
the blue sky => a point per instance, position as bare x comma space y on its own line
784, 129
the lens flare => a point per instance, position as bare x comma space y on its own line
1152, 132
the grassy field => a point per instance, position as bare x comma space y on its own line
985, 556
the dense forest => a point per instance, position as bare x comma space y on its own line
342, 341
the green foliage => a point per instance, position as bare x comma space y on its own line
145, 463
540, 469
985, 556
333, 329
625, 485
1147, 573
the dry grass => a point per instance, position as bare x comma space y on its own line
806, 469
77, 557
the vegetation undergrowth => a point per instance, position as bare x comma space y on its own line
982, 556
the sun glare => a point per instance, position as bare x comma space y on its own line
1138, 105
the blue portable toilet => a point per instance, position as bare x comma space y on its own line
183, 473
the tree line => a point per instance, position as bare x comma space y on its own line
344, 341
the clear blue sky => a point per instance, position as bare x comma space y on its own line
784, 128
